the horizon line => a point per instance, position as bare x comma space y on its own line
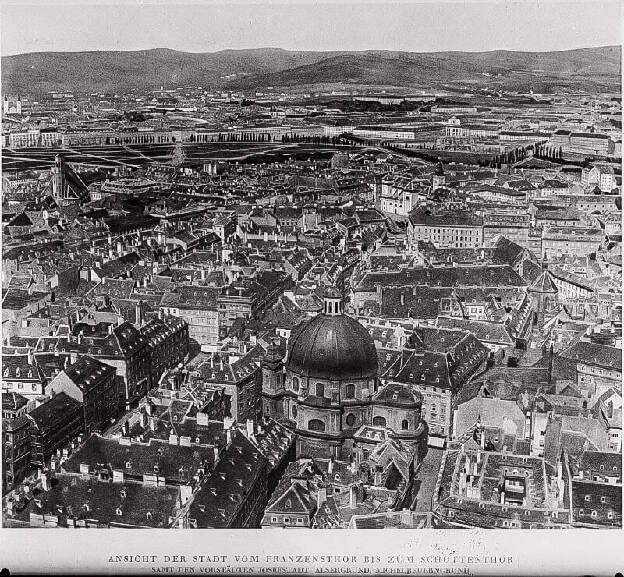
155, 48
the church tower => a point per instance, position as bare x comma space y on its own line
272, 380
439, 178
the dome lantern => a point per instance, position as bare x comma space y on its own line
332, 302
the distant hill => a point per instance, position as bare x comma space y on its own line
585, 68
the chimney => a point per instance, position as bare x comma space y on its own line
483, 438
321, 497
330, 466
45, 481
152, 423
126, 429
143, 418
250, 428
502, 497
138, 314
406, 517
228, 437
31, 357
353, 497
149, 407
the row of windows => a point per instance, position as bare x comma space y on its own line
595, 513
20, 386
603, 499
319, 426
287, 520
319, 389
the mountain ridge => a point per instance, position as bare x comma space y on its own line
246, 69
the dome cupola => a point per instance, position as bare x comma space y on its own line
332, 345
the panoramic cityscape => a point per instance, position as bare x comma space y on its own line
312, 288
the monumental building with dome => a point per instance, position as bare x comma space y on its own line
328, 390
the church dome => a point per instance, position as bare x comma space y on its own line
332, 346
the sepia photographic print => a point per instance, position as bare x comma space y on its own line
348, 268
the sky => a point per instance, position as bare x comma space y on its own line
427, 26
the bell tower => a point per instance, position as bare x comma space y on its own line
272, 380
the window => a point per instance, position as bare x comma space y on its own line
294, 411
588, 498
405, 425
350, 419
295, 384
286, 519
350, 391
320, 390
273, 519
379, 422
316, 425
